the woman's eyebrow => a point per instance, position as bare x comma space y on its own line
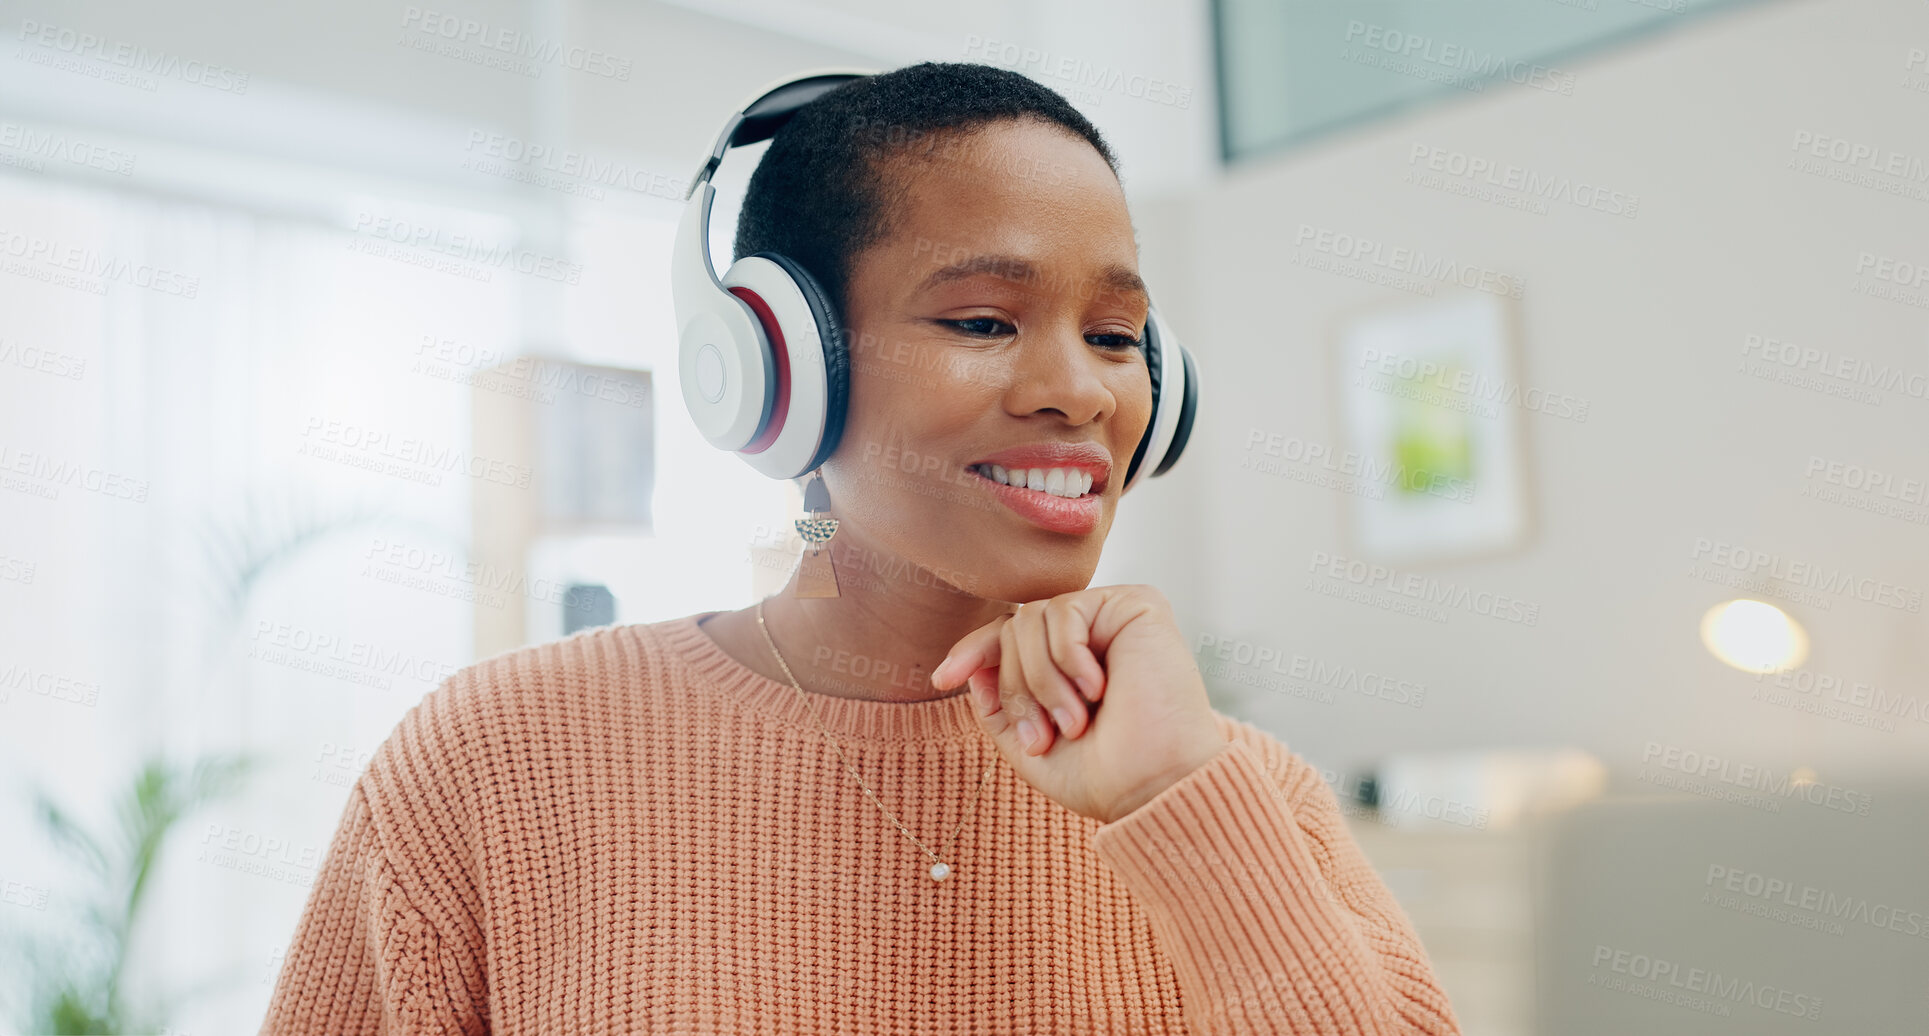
1114, 277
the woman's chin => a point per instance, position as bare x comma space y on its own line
1019, 591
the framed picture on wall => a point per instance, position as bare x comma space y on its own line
1431, 415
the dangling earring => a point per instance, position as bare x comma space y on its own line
815, 575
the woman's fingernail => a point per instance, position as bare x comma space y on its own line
1063, 719
1027, 732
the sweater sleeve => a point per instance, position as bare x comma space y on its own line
1272, 917
390, 940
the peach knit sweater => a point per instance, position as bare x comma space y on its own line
628, 831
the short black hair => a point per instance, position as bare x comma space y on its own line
821, 193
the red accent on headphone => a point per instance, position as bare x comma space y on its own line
780, 406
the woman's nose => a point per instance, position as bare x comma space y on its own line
1057, 371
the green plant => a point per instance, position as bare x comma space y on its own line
76, 982
78, 987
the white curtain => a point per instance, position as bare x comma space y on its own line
143, 493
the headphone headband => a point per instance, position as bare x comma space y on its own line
763, 117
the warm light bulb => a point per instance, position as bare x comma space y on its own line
1753, 636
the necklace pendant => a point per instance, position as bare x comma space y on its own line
940, 871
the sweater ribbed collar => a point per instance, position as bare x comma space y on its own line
849, 719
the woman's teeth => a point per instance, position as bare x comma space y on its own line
1066, 482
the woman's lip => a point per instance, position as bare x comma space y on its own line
1075, 516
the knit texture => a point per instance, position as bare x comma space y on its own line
629, 831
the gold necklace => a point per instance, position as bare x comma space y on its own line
940, 870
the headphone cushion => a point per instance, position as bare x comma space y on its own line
1155, 361
837, 363
1183, 430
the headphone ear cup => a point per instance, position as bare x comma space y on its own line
1187, 408
837, 362
1174, 400
1155, 367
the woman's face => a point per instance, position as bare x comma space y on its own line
999, 316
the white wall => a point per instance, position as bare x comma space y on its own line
1646, 317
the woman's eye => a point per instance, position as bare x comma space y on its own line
959, 324
973, 326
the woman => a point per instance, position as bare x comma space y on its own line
967, 792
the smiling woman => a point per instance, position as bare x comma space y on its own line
732, 821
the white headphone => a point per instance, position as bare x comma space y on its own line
761, 354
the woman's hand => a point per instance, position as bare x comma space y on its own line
1064, 657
